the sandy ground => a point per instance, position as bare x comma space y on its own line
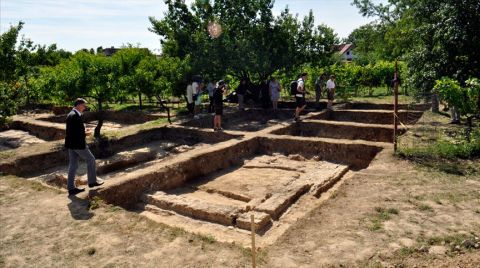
394, 214
10, 139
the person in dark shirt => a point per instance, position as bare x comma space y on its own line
77, 146
218, 104
241, 91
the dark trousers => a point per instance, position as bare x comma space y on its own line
210, 105
190, 107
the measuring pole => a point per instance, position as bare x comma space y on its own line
395, 106
252, 227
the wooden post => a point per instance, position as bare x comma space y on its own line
252, 225
395, 106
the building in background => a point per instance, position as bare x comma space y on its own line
346, 51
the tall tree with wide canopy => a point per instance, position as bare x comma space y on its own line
247, 41
438, 38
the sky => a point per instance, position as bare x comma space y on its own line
77, 24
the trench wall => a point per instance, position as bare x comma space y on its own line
127, 191
369, 117
354, 154
342, 131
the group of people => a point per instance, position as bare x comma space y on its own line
268, 92
216, 92
76, 132
321, 84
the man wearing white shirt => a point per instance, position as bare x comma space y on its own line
300, 96
330, 91
197, 88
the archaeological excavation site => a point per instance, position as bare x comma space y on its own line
186, 175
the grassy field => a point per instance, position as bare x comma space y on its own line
435, 143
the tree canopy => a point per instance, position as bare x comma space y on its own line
436, 38
241, 38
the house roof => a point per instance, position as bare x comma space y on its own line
344, 48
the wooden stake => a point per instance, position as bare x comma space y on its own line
252, 224
395, 107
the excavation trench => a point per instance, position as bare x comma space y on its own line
117, 117
145, 145
340, 130
250, 120
382, 117
224, 184
384, 106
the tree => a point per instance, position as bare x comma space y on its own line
465, 99
87, 75
10, 90
8, 40
131, 80
438, 38
247, 40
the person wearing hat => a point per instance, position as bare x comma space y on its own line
77, 147
218, 104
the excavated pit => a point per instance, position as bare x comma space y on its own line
340, 130
123, 152
384, 106
382, 117
214, 190
127, 190
229, 196
12, 139
250, 120
42, 130
278, 175
114, 117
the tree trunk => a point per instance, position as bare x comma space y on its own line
101, 116
435, 102
27, 91
166, 107
140, 100
468, 131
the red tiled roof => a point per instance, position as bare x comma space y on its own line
344, 48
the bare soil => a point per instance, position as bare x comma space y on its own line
433, 209
10, 139
384, 213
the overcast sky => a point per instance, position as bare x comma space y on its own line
76, 24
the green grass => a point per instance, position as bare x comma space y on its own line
7, 154
434, 143
95, 203
207, 239
406, 251
425, 207
381, 215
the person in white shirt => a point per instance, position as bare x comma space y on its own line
300, 96
330, 91
197, 97
275, 89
